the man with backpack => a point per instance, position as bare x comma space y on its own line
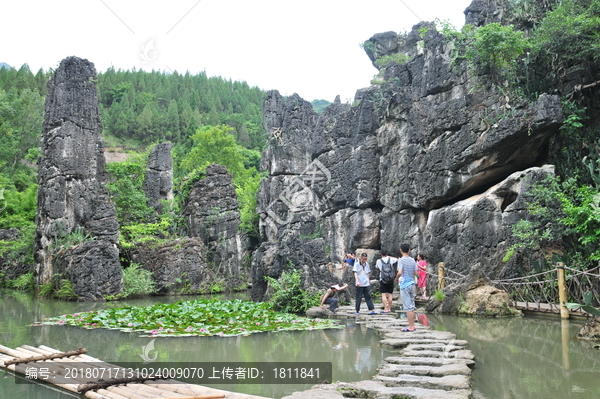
387, 275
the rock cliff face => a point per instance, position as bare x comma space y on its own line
483, 12
434, 157
12, 267
77, 228
212, 212
177, 266
158, 182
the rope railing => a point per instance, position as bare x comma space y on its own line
445, 276
526, 278
534, 290
543, 288
595, 272
578, 282
541, 291
460, 276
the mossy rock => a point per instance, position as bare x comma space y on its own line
487, 301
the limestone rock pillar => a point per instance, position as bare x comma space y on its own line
77, 228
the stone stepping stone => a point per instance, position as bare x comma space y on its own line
380, 317
395, 325
390, 323
427, 361
422, 393
315, 394
403, 343
382, 329
448, 382
433, 364
393, 370
397, 328
456, 354
444, 347
364, 310
429, 334
378, 390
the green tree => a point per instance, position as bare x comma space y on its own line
125, 185
144, 126
173, 126
496, 48
20, 126
116, 93
565, 215
567, 39
246, 193
214, 144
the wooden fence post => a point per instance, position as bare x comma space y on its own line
562, 290
441, 276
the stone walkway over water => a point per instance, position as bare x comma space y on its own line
429, 365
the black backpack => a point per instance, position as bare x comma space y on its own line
387, 272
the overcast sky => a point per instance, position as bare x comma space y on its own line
309, 47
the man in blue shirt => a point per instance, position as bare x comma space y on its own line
361, 271
349, 258
406, 276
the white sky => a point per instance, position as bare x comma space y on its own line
309, 47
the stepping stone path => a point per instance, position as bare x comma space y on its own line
429, 365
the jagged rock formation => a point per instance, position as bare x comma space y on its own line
483, 12
158, 182
77, 228
177, 266
423, 158
478, 229
212, 212
12, 267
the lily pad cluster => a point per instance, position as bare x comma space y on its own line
197, 317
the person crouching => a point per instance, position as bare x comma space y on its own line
330, 299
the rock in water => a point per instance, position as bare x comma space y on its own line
591, 330
77, 227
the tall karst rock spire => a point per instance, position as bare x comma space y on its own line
77, 227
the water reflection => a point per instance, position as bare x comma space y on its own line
353, 351
528, 357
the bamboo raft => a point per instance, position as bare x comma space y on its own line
20, 359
